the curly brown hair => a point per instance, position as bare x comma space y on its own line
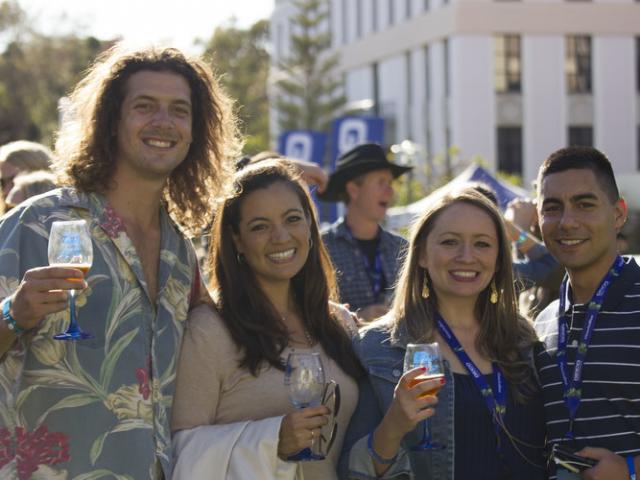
254, 324
86, 145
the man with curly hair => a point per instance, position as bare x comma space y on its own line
140, 155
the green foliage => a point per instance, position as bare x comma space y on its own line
35, 71
309, 92
241, 58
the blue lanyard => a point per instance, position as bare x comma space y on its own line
374, 272
573, 387
496, 403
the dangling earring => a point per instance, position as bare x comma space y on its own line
425, 286
310, 243
240, 258
494, 292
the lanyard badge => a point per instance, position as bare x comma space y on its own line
572, 386
496, 401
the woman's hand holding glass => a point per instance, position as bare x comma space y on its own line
413, 401
427, 357
305, 381
296, 427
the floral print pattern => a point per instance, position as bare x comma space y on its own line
100, 407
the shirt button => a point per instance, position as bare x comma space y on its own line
396, 373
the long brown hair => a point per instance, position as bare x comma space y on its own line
251, 318
86, 145
503, 332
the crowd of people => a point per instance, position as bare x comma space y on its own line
184, 375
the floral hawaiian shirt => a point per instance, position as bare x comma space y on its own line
99, 407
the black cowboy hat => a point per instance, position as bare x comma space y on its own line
362, 159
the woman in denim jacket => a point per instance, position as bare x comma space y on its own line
458, 270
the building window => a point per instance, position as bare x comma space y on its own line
425, 5
407, 9
510, 150
578, 64
374, 15
507, 63
427, 74
391, 12
345, 22
358, 18
445, 55
638, 63
582, 136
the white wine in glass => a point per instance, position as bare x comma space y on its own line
305, 380
70, 247
426, 355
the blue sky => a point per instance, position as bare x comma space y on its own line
177, 22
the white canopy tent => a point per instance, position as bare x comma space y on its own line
399, 218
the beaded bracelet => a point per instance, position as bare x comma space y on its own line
631, 467
521, 238
374, 454
8, 319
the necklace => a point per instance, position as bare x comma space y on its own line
307, 335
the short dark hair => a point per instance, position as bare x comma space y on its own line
583, 158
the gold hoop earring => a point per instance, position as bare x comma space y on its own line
425, 286
494, 292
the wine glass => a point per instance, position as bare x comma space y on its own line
425, 355
304, 378
70, 247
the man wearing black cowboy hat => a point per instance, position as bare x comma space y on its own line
366, 256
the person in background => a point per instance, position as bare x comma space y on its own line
588, 361
456, 288
148, 138
312, 174
19, 157
272, 283
532, 264
537, 274
366, 256
27, 185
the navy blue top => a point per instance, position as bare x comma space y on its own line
476, 455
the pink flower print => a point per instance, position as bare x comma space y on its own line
40, 447
143, 382
111, 222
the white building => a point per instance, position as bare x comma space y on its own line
508, 80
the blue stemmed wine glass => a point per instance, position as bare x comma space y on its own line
305, 381
425, 355
70, 247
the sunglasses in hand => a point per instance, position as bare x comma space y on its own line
566, 458
331, 400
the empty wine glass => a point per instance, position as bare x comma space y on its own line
425, 355
304, 378
70, 247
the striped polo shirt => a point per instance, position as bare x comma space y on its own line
609, 413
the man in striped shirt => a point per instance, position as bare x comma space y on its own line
594, 408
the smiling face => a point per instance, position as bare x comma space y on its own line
154, 130
461, 252
273, 234
371, 194
579, 222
